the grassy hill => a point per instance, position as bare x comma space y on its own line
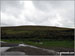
37, 32
35, 28
41, 36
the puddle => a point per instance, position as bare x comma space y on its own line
3, 49
27, 45
23, 45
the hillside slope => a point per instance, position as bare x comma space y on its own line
37, 32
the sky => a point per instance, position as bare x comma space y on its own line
38, 12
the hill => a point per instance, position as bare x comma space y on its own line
37, 32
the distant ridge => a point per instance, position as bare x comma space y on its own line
38, 27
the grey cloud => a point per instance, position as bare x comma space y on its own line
64, 8
49, 13
11, 7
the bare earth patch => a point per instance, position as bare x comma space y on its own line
31, 51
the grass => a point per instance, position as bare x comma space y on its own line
67, 44
45, 43
17, 32
22, 34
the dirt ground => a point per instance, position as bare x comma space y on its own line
34, 51
31, 51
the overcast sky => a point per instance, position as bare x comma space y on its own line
46, 13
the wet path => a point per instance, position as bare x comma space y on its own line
3, 49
